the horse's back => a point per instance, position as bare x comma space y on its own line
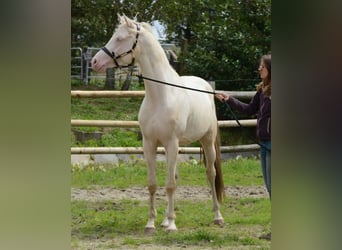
196, 83
199, 99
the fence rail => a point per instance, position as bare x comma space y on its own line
160, 150
134, 124
141, 93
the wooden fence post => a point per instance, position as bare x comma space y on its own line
110, 78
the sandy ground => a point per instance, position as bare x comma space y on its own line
182, 192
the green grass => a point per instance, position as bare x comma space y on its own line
245, 220
107, 109
119, 224
242, 171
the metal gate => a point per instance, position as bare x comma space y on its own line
81, 64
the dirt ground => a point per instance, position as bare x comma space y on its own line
141, 193
182, 192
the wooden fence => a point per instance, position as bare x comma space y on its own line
131, 124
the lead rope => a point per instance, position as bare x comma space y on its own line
140, 76
237, 120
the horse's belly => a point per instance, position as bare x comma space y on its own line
195, 132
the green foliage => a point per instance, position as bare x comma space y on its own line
228, 39
218, 39
237, 136
93, 22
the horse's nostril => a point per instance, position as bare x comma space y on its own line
94, 61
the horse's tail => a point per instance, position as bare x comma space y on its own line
219, 185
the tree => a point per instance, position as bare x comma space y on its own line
93, 21
219, 39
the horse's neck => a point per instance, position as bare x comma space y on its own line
154, 65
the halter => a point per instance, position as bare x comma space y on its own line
112, 54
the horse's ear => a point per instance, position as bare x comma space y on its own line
129, 22
121, 18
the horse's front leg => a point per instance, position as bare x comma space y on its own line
165, 222
171, 157
150, 157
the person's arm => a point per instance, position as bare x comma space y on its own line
248, 109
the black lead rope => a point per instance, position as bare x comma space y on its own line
203, 91
237, 120
175, 85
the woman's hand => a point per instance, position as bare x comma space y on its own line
222, 97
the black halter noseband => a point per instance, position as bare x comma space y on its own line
112, 54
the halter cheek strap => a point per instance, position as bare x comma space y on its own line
112, 54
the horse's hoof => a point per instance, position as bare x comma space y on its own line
219, 222
150, 230
171, 230
165, 223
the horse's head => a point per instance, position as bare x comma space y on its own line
119, 51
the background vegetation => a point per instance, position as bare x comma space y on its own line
219, 39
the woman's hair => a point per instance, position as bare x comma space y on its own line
265, 85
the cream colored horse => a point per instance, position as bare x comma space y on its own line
168, 116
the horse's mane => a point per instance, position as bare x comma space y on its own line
157, 48
147, 26
153, 42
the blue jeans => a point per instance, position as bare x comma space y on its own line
265, 156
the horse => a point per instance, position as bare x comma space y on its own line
169, 116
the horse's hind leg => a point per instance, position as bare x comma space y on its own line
210, 157
150, 157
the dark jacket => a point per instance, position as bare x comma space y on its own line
260, 105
